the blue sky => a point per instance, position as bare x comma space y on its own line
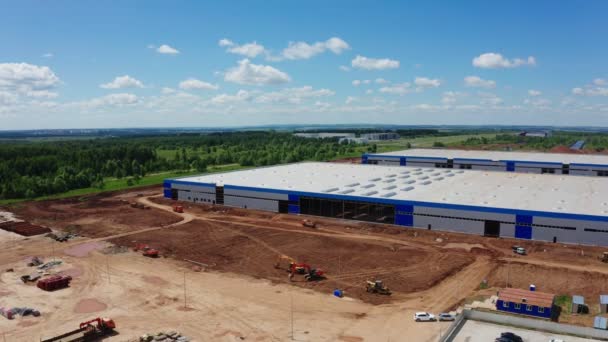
79, 64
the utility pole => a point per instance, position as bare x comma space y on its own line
291, 306
185, 303
508, 273
108, 268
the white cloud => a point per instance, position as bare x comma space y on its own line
22, 81
293, 95
361, 62
225, 42
48, 55
357, 83
450, 97
193, 83
493, 60
578, 91
533, 92
344, 68
167, 91
478, 82
426, 107
250, 50
593, 89
303, 50
254, 74
424, 82
118, 100
369, 91
397, 89
538, 103
336, 45
350, 99
381, 81
240, 96
167, 50
120, 82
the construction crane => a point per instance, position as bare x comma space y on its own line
377, 286
92, 330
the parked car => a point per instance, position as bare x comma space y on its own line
509, 337
424, 317
518, 250
444, 316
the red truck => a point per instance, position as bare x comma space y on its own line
54, 283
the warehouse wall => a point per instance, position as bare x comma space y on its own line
535, 226
251, 203
489, 165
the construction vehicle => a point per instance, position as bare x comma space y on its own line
178, 208
147, 250
377, 286
35, 261
604, 257
310, 274
309, 223
518, 250
92, 330
54, 283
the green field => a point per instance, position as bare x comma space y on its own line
425, 142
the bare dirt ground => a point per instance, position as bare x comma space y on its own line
241, 294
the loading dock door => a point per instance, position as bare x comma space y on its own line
491, 228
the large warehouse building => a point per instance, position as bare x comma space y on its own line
554, 163
516, 205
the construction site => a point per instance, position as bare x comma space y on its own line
150, 266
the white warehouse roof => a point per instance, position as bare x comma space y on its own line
549, 193
565, 158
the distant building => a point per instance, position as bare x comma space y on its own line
354, 140
526, 302
380, 136
538, 134
325, 135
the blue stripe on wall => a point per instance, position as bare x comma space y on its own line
167, 193
293, 209
403, 161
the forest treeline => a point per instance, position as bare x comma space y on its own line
32, 169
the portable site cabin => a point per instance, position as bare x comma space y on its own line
525, 302
603, 304
600, 323
578, 305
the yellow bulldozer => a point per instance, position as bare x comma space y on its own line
377, 286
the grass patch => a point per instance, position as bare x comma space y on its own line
565, 301
425, 142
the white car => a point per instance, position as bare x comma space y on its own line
424, 317
446, 317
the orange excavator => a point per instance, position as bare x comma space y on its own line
92, 330
288, 264
310, 274
147, 250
